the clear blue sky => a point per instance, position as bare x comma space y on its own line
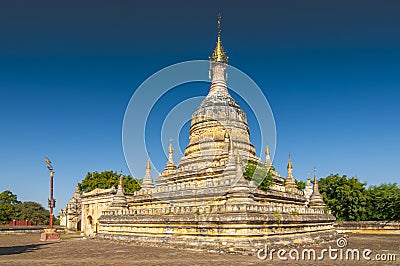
330, 71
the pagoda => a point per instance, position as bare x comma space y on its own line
205, 201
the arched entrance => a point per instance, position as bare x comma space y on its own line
78, 226
90, 221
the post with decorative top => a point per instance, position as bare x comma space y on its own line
50, 234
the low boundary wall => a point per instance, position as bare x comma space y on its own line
25, 229
368, 227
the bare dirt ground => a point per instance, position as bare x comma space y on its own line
74, 250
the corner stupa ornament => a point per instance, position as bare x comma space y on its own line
170, 163
316, 200
309, 189
290, 182
268, 161
119, 200
147, 179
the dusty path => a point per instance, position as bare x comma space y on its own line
73, 250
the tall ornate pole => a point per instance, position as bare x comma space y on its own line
51, 200
50, 234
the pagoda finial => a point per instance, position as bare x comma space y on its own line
170, 164
315, 178
268, 161
170, 149
219, 23
289, 165
219, 54
121, 181
290, 181
315, 187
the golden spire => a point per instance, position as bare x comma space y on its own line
170, 149
268, 161
219, 54
315, 176
290, 181
267, 151
289, 165
267, 154
170, 164
121, 181
148, 166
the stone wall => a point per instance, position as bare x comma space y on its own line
233, 232
368, 227
93, 204
22, 229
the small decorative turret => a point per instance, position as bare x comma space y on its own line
170, 164
268, 162
119, 200
290, 182
147, 179
316, 200
309, 189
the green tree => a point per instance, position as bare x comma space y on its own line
56, 220
8, 200
8, 197
31, 211
260, 174
384, 203
346, 197
300, 184
107, 179
6, 212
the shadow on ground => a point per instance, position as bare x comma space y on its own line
21, 249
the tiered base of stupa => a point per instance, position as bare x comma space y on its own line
230, 232
240, 220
